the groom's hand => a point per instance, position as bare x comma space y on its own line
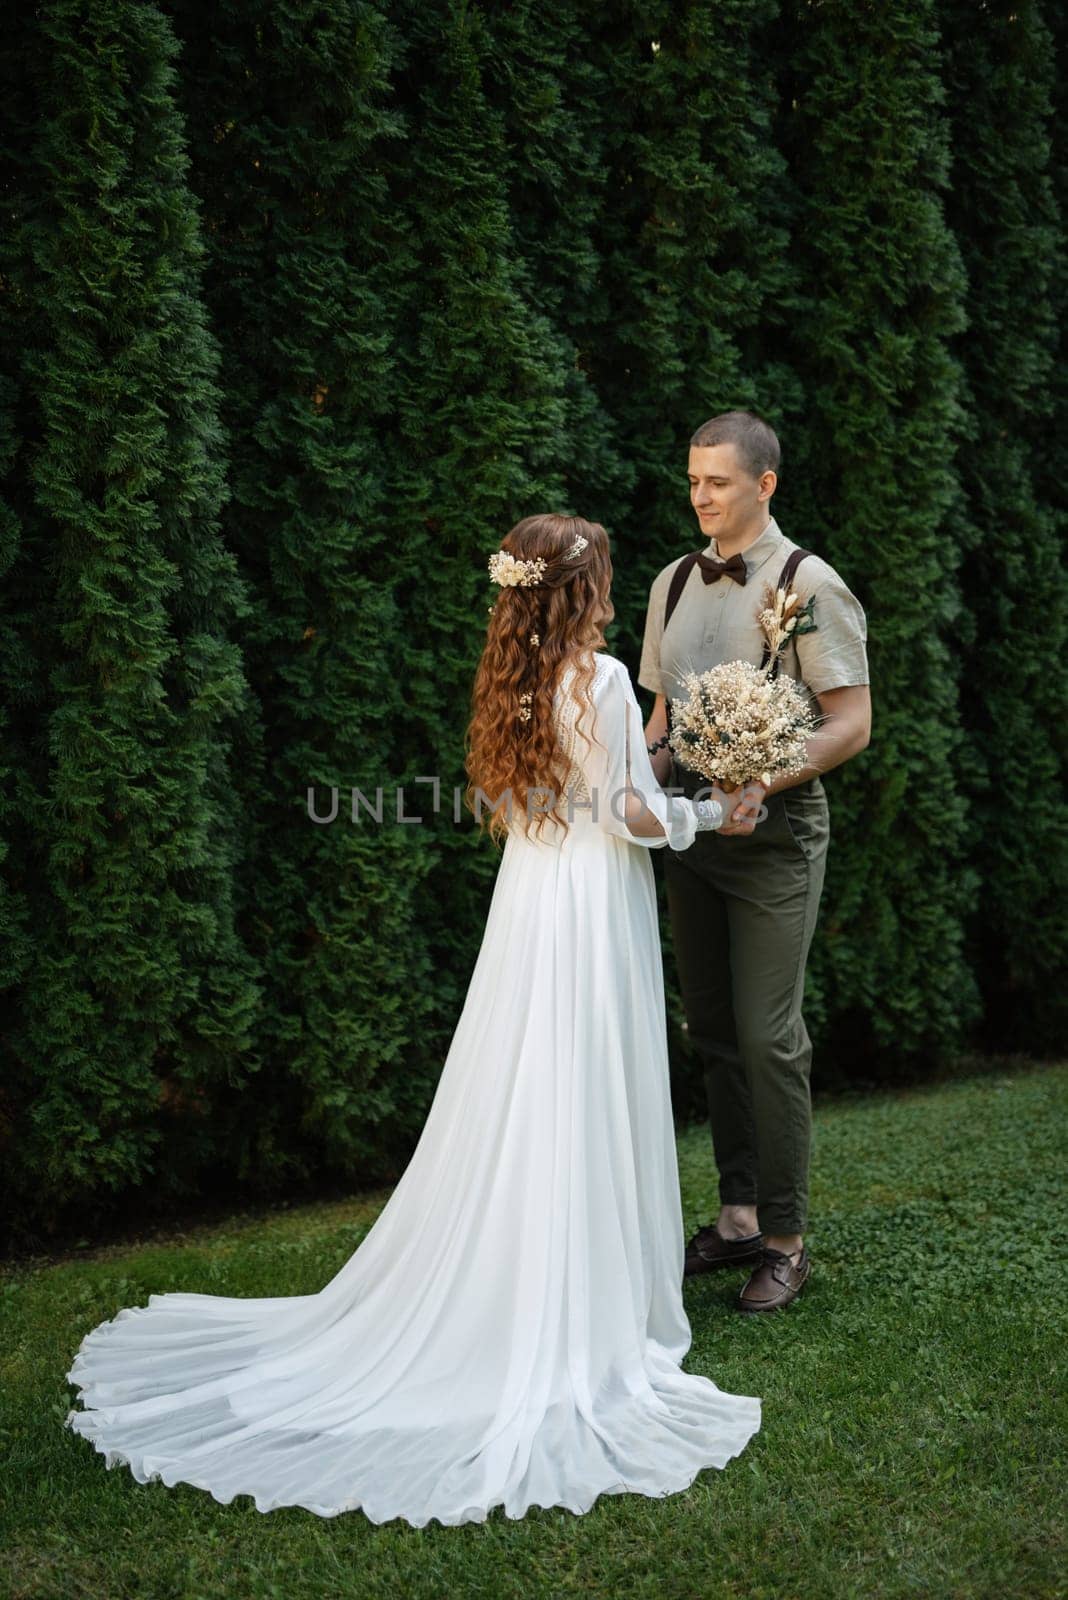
742, 808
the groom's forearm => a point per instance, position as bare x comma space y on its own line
838, 740
844, 730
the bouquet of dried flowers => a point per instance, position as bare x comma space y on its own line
740, 722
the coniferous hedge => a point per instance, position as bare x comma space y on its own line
872, 487
132, 996
693, 261
305, 308
288, 123
998, 82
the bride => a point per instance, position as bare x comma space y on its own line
510, 1330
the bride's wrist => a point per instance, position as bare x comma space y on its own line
709, 814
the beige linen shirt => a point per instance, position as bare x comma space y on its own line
717, 622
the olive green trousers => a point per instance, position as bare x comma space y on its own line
743, 911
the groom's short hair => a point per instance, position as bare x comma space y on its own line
756, 443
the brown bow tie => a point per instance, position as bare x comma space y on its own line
711, 569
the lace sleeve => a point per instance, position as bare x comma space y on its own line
624, 796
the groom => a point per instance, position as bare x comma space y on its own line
743, 900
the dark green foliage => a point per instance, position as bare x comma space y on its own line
290, 121
555, 108
134, 999
869, 484
692, 256
265, 412
396, 408
1050, 465
998, 81
484, 426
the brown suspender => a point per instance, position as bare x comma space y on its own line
686, 566
678, 584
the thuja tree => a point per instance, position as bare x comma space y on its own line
311, 259
998, 72
873, 490
127, 1022
1051, 460
691, 255
17, 664
556, 106
684, 219
396, 405
486, 427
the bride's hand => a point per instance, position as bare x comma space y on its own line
746, 802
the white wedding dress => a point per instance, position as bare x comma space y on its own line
510, 1330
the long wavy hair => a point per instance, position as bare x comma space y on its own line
566, 613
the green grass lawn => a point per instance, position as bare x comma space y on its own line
913, 1437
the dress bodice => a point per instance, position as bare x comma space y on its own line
566, 715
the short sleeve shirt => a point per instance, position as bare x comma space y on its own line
717, 622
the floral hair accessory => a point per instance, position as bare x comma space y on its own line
577, 548
509, 572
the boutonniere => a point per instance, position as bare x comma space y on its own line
782, 617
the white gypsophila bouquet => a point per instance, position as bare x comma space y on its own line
737, 723
741, 722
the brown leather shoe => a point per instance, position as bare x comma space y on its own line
777, 1281
708, 1248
